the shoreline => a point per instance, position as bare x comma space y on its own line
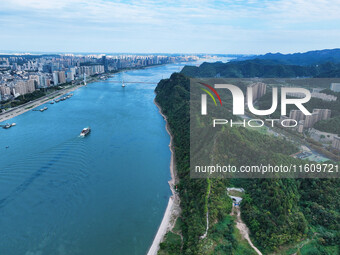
172, 210
33, 104
16, 111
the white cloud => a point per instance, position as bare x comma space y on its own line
146, 21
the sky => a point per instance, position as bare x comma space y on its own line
169, 26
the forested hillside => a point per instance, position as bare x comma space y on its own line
261, 68
278, 212
173, 97
306, 58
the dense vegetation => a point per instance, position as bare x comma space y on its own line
330, 126
277, 211
173, 97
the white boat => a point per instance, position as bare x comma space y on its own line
123, 85
85, 131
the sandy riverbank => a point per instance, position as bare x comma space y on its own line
35, 103
173, 209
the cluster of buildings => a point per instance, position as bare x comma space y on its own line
22, 74
316, 94
308, 121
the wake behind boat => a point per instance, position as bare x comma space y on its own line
85, 131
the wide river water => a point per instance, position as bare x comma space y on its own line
102, 194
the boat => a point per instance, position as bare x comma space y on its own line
123, 85
7, 126
85, 131
14, 124
51, 102
43, 109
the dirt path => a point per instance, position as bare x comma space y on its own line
207, 216
240, 225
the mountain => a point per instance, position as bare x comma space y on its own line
302, 215
303, 59
261, 68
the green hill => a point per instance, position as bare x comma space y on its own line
279, 212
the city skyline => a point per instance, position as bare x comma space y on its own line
196, 26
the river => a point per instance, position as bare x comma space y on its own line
102, 194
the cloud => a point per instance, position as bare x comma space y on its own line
150, 21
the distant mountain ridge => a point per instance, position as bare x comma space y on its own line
261, 68
304, 59
318, 63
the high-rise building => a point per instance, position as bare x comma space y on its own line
300, 126
296, 115
23, 87
19, 88
61, 77
335, 87
69, 76
324, 97
336, 143
30, 86
105, 63
42, 81
258, 89
5, 91
55, 78
36, 80
73, 70
323, 114
310, 120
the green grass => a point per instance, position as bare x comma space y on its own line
263, 130
313, 248
178, 226
309, 249
235, 193
171, 246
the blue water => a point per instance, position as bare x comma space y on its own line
102, 194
